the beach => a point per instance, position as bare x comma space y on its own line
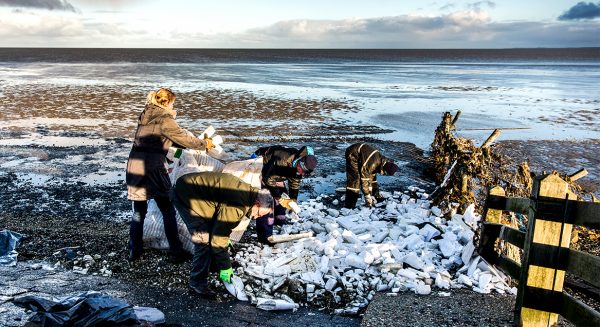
66, 127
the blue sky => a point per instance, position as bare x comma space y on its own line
299, 24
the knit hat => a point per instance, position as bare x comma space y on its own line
390, 168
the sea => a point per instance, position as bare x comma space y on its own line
531, 94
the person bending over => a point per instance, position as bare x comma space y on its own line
211, 204
363, 163
282, 164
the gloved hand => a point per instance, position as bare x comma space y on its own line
209, 143
369, 201
225, 275
379, 198
285, 203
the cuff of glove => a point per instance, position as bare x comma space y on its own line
225, 275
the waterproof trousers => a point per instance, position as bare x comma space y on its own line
136, 227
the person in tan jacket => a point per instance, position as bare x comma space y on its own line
147, 177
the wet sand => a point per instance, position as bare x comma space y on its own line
63, 152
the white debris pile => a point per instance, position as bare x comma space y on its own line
400, 245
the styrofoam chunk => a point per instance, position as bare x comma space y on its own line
422, 289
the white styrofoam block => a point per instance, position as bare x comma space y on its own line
354, 260
413, 260
422, 289
465, 280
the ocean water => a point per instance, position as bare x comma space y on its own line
535, 94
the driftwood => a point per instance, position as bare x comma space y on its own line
464, 170
579, 174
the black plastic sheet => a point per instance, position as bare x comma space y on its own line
83, 310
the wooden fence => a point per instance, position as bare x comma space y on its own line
552, 210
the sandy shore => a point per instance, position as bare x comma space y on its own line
63, 154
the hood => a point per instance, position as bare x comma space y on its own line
152, 113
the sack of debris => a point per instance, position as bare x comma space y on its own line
247, 170
183, 161
186, 161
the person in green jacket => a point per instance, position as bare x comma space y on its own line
211, 204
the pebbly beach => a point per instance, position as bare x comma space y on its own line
66, 127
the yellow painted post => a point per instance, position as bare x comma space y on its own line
538, 279
495, 215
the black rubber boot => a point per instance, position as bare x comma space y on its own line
203, 291
351, 198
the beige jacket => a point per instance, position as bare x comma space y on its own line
157, 130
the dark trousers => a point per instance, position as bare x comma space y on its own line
264, 227
264, 224
210, 250
136, 227
200, 265
354, 183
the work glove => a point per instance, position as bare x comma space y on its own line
225, 275
369, 201
285, 203
209, 143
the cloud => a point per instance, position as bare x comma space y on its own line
581, 10
54, 29
40, 4
401, 31
479, 4
29, 24
447, 6
461, 29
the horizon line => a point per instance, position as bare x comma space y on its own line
216, 48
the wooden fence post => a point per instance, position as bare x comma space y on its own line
494, 215
539, 295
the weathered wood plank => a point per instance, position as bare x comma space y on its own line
546, 232
584, 266
491, 138
578, 312
512, 236
518, 205
579, 174
494, 215
579, 213
455, 119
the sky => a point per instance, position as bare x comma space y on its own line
299, 24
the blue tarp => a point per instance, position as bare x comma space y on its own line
8, 244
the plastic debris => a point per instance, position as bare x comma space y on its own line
289, 238
86, 309
9, 241
275, 304
236, 288
363, 251
149, 315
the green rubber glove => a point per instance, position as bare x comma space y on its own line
225, 275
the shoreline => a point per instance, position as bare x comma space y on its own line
62, 177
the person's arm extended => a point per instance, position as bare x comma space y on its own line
294, 185
180, 136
